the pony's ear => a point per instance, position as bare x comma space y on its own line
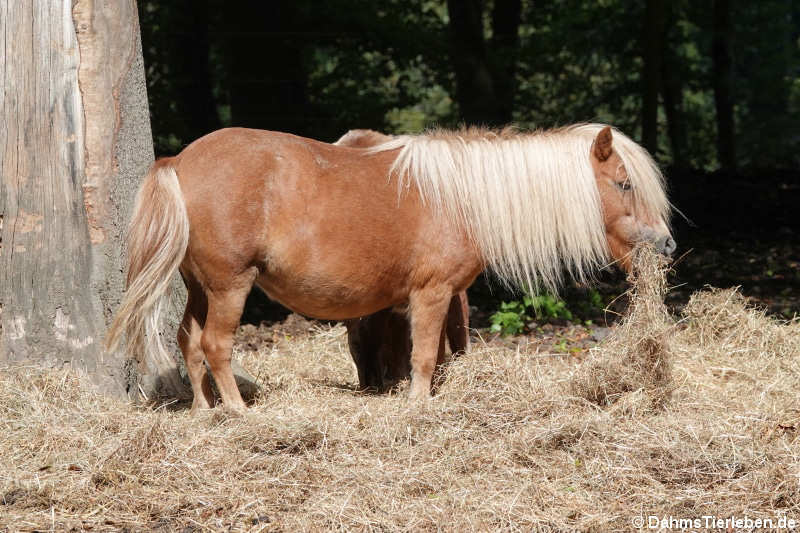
602, 144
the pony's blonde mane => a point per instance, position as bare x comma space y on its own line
529, 201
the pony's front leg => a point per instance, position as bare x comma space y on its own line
427, 310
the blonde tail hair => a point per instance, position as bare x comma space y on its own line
158, 236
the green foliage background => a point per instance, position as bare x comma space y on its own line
388, 66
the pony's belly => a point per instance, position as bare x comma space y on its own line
326, 300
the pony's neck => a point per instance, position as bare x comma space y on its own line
528, 201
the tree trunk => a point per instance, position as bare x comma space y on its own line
653, 31
722, 68
474, 85
672, 94
192, 71
267, 77
485, 78
75, 143
506, 17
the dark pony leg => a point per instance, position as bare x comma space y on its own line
428, 310
396, 349
458, 323
225, 308
189, 339
364, 337
380, 345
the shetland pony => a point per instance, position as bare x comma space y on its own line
380, 343
336, 232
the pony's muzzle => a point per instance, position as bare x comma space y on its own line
666, 245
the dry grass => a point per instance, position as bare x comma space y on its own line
684, 417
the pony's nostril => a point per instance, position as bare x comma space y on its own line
668, 245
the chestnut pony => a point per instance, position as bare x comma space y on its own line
337, 232
380, 343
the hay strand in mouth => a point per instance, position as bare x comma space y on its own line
636, 356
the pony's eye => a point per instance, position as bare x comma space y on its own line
624, 185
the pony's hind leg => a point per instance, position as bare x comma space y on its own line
428, 309
224, 311
189, 339
458, 324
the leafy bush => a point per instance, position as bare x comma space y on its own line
546, 305
512, 316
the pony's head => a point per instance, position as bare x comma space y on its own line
632, 210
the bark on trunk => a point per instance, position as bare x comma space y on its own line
75, 144
722, 68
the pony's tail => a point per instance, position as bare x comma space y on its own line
158, 236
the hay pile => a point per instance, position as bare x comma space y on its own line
683, 417
720, 320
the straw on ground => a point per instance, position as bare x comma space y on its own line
682, 417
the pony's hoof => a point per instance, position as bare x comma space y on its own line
234, 411
419, 395
199, 407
